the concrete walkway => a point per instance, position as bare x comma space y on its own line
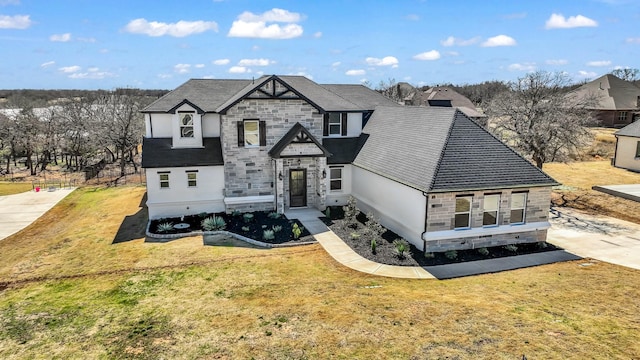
629, 191
343, 254
20, 210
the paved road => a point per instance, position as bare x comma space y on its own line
20, 210
595, 236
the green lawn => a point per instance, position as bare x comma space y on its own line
69, 292
10, 188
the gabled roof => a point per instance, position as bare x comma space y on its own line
158, 152
206, 94
344, 150
612, 93
436, 149
297, 134
632, 130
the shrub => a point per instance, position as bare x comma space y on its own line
273, 215
297, 230
327, 213
429, 255
483, 251
203, 215
235, 213
542, 244
268, 235
245, 228
373, 225
165, 227
247, 217
451, 254
374, 244
354, 235
512, 248
402, 248
277, 228
350, 212
214, 223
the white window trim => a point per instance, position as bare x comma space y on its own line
341, 179
523, 208
485, 210
168, 181
257, 132
195, 179
181, 125
339, 124
470, 198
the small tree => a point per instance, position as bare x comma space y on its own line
350, 213
538, 119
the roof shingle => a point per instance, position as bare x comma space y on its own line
158, 152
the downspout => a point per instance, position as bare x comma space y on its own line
426, 215
615, 153
150, 125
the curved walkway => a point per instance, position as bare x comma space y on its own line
20, 210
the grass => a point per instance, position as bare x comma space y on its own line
578, 178
69, 292
10, 188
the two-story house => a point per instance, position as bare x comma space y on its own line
280, 142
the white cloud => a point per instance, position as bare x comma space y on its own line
92, 73
355, 72
317, 35
9, 2
500, 40
15, 22
454, 41
556, 62
164, 76
587, 74
182, 68
452, 53
385, 61
633, 40
522, 67
180, 29
427, 55
220, 62
239, 70
558, 21
70, 69
255, 62
302, 73
412, 17
199, 66
599, 63
60, 37
336, 64
252, 25
47, 64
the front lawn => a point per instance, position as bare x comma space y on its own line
10, 188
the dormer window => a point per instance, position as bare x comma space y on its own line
186, 125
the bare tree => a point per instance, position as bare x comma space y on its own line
80, 132
627, 74
390, 90
537, 119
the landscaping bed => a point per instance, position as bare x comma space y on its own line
251, 225
386, 253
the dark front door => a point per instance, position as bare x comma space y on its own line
297, 187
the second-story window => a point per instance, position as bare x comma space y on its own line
335, 124
186, 125
252, 133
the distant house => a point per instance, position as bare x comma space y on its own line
445, 96
617, 100
627, 154
431, 174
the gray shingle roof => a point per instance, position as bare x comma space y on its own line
296, 129
632, 130
343, 150
207, 94
612, 93
157, 153
360, 95
440, 149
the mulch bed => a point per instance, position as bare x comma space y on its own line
253, 229
385, 249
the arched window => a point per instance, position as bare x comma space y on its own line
186, 125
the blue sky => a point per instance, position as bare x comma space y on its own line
87, 44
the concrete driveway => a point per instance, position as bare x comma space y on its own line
595, 236
20, 210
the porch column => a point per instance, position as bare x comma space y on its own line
279, 170
321, 183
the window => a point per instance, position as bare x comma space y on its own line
335, 175
638, 149
192, 178
622, 116
164, 180
491, 207
186, 125
518, 207
462, 218
335, 124
252, 133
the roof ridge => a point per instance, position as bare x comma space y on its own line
441, 155
347, 100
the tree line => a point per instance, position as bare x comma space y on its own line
74, 132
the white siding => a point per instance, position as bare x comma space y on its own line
339, 197
196, 140
354, 124
626, 153
211, 125
180, 199
160, 126
401, 208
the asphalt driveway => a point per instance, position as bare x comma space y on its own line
19, 210
594, 236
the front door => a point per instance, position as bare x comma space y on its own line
297, 187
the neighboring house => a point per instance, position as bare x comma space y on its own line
444, 96
617, 102
627, 155
432, 175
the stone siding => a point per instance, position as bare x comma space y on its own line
476, 242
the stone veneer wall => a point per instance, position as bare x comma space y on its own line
250, 171
441, 218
